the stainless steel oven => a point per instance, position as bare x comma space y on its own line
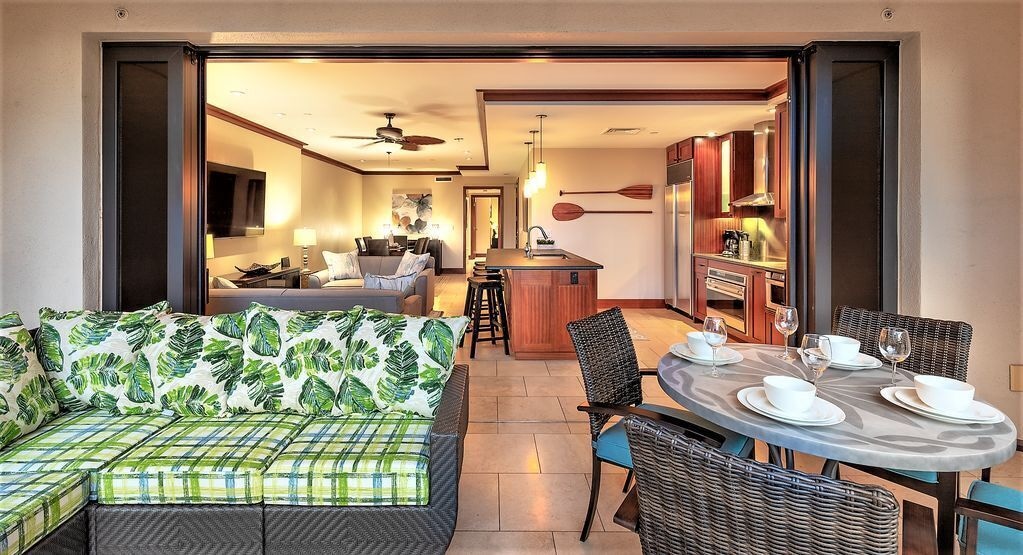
726, 297
775, 294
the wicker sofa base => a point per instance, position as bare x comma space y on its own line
177, 529
331, 530
70, 538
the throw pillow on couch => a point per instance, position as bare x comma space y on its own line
342, 265
404, 283
26, 400
412, 263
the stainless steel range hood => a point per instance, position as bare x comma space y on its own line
763, 164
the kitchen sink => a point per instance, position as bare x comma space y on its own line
557, 255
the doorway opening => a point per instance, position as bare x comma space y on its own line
483, 221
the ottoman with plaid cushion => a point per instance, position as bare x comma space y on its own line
362, 459
200, 460
79, 441
34, 504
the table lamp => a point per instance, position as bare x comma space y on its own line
209, 255
305, 238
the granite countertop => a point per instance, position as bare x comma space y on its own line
770, 264
515, 259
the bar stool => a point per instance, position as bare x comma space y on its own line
484, 305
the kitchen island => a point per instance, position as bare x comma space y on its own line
543, 294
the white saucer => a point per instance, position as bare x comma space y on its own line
822, 413
859, 362
976, 412
890, 395
725, 355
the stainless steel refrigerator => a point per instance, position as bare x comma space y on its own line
678, 237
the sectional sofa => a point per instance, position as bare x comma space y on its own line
264, 431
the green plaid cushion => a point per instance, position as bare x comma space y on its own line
200, 460
33, 505
79, 441
364, 459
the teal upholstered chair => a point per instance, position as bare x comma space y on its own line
992, 522
613, 383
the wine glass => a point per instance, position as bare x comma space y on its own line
786, 321
715, 334
816, 354
894, 346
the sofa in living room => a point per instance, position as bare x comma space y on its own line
324, 293
262, 431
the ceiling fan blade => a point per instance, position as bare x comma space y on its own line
353, 137
423, 140
409, 146
372, 143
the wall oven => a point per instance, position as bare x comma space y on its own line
775, 294
726, 297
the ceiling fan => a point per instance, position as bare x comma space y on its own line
391, 134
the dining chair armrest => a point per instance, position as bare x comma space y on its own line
647, 371
690, 430
979, 510
627, 515
918, 533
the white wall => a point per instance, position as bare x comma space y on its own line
630, 246
332, 205
960, 122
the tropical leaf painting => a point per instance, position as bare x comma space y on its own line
138, 384
13, 362
305, 322
141, 329
10, 320
317, 397
225, 360
35, 401
182, 351
354, 397
360, 355
312, 356
264, 334
387, 327
67, 399
191, 400
432, 380
232, 325
400, 373
94, 329
264, 384
438, 342
9, 431
50, 355
97, 372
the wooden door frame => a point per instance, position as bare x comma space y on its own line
500, 216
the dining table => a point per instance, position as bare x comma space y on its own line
874, 434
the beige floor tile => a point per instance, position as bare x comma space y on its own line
569, 405
482, 368
483, 428
550, 502
607, 543
612, 478
495, 453
567, 454
484, 386
651, 388
579, 427
529, 409
533, 427
1011, 468
546, 386
486, 351
563, 367
521, 368
482, 409
478, 507
502, 543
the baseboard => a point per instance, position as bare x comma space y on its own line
603, 304
452, 271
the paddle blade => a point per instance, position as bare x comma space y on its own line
566, 211
639, 192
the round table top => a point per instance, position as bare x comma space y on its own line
874, 433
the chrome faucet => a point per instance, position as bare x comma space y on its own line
529, 249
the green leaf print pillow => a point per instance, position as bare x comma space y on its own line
292, 360
195, 362
26, 400
89, 357
397, 363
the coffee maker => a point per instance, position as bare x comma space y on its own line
731, 240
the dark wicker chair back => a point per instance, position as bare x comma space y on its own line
377, 247
608, 361
360, 245
940, 347
699, 500
421, 245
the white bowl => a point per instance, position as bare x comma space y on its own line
843, 349
944, 394
698, 344
788, 394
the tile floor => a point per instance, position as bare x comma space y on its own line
526, 471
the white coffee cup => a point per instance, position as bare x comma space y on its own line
698, 345
788, 394
944, 394
843, 349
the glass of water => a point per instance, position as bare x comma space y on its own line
816, 354
786, 321
894, 346
715, 333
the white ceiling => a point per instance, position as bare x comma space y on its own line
320, 99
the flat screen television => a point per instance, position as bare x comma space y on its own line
235, 200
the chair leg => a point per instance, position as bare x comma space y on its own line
503, 318
491, 307
594, 492
466, 309
476, 324
628, 482
774, 455
985, 475
948, 492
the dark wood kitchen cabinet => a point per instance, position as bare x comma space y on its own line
736, 175
679, 152
671, 154
757, 305
700, 292
781, 176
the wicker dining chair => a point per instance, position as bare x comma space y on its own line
693, 498
613, 383
421, 244
992, 518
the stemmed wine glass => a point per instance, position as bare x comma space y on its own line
786, 321
715, 334
816, 354
894, 345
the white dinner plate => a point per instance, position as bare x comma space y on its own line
859, 362
822, 413
976, 412
725, 355
889, 394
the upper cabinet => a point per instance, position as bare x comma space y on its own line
736, 171
782, 175
679, 152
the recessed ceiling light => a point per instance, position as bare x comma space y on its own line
307, 114
362, 160
408, 168
459, 139
712, 133
468, 157
280, 114
771, 110
654, 132
310, 129
237, 93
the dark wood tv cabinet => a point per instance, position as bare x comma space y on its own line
291, 277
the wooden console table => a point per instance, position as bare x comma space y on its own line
289, 275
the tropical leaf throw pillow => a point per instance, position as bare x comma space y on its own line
89, 357
26, 400
195, 363
292, 360
398, 362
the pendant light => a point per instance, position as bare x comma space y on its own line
532, 165
527, 187
541, 167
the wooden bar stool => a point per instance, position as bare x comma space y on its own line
485, 307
